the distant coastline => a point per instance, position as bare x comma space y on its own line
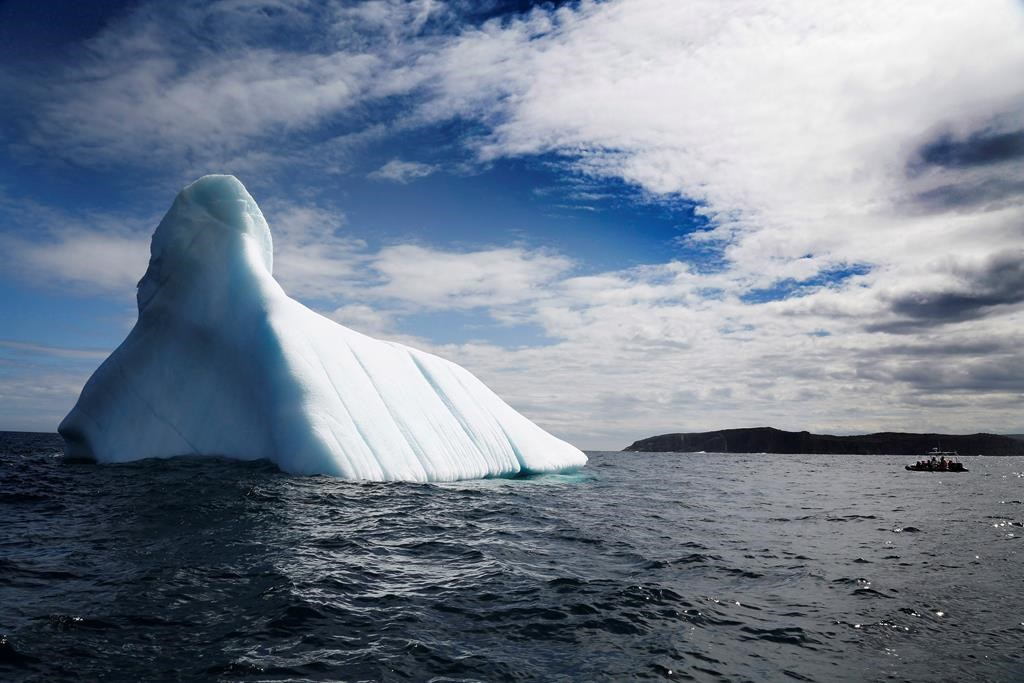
771, 440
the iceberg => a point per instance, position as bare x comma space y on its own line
222, 362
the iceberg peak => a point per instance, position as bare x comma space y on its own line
222, 362
214, 229
228, 206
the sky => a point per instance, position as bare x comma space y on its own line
627, 217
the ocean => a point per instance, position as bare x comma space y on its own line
660, 566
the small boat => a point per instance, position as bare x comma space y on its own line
936, 461
952, 466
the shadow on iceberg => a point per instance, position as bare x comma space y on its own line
222, 362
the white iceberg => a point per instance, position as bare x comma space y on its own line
222, 362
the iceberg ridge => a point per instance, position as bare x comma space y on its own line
222, 362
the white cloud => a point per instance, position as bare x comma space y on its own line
99, 262
778, 117
211, 110
433, 279
192, 84
313, 256
86, 253
399, 171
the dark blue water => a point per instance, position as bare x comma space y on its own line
642, 566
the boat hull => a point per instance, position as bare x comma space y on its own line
915, 468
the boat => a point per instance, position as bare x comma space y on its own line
953, 466
937, 461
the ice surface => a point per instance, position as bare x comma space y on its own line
223, 362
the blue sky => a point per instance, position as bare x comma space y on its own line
627, 218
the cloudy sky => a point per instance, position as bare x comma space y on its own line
627, 217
